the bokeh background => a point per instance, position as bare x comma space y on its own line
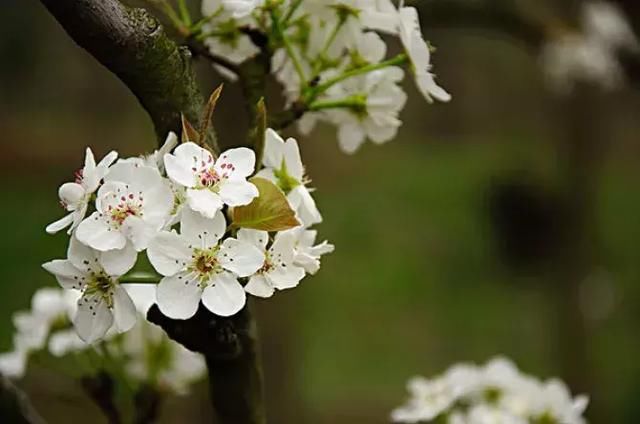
505, 222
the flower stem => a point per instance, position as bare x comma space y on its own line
352, 102
321, 88
291, 11
279, 30
184, 12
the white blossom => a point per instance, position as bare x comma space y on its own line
495, 393
419, 55
211, 183
196, 266
307, 254
283, 166
104, 303
75, 196
377, 120
132, 205
278, 270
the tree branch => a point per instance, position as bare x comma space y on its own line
134, 46
230, 347
14, 405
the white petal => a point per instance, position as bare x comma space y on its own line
82, 256
267, 174
204, 201
200, 231
293, 160
179, 170
240, 257
259, 286
430, 89
255, 237
273, 149
168, 253
138, 177
350, 137
124, 311
63, 342
224, 295
13, 364
71, 194
282, 249
108, 160
119, 262
178, 297
60, 224
93, 318
305, 206
237, 193
96, 232
138, 231
67, 275
285, 277
191, 153
241, 160
142, 295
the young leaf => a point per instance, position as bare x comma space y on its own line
270, 211
208, 112
189, 133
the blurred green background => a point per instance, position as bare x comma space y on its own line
505, 222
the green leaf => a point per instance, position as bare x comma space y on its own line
270, 211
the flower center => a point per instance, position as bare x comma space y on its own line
208, 178
100, 285
129, 205
266, 266
285, 181
205, 264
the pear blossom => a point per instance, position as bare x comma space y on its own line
75, 196
377, 119
419, 55
592, 54
494, 393
278, 270
307, 254
211, 183
132, 205
283, 166
196, 266
104, 302
224, 20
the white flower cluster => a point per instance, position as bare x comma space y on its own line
329, 55
137, 204
494, 393
147, 356
593, 54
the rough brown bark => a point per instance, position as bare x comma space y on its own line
133, 45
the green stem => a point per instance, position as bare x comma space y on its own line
397, 60
277, 27
356, 102
184, 12
327, 44
172, 15
291, 11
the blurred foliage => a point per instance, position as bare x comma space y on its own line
417, 281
